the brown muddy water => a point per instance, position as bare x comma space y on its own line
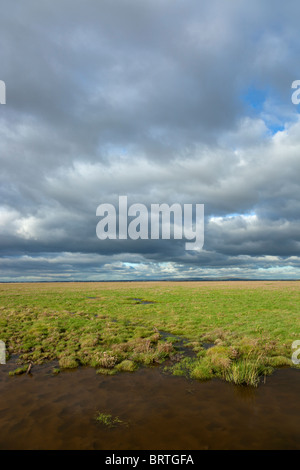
159, 411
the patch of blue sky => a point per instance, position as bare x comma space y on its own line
255, 98
130, 265
258, 100
238, 214
274, 128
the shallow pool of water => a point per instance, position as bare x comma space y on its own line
159, 411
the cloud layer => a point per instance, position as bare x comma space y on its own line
161, 101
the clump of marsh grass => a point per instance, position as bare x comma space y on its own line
102, 359
126, 366
103, 371
246, 371
108, 420
182, 368
279, 361
202, 370
68, 362
220, 357
18, 371
226, 363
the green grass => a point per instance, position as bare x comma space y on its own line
108, 420
252, 325
18, 371
247, 371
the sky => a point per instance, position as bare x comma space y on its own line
162, 101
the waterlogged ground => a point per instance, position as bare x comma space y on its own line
160, 365
148, 410
115, 327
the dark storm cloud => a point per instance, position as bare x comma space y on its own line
150, 100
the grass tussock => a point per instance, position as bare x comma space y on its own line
246, 371
18, 371
126, 366
108, 420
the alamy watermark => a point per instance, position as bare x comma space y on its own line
2, 353
295, 359
2, 92
296, 94
162, 221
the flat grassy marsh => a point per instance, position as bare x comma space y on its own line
115, 327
